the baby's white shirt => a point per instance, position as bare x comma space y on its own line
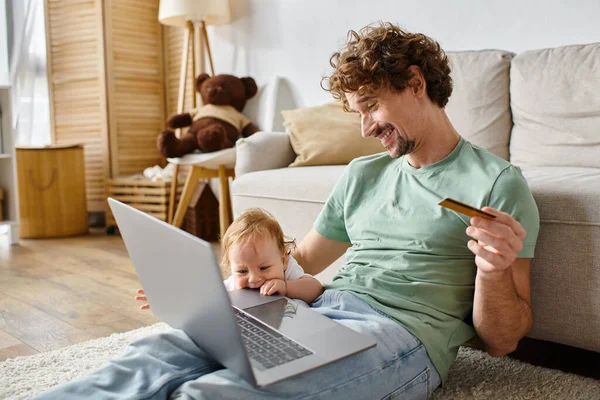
294, 271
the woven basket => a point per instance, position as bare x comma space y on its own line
52, 191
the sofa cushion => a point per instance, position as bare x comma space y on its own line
479, 106
327, 135
566, 195
263, 150
555, 103
307, 184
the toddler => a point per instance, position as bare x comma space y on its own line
259, 257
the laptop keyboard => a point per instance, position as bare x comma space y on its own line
265, 345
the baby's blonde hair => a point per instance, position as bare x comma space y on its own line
254, 223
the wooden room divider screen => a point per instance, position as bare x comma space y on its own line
113, 75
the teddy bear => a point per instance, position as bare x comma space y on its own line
216, 125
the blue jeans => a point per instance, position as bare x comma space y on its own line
170, 365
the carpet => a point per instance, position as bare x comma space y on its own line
473, 376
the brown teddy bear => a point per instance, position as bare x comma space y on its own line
216, 125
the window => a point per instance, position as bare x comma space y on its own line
27, 49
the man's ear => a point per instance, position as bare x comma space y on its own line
200, 80
250, 86
417, 81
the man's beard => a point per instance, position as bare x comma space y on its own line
401, 146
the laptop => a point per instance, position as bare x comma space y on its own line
263, 339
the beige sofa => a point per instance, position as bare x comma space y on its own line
540, 110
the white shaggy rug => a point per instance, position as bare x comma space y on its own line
474, 375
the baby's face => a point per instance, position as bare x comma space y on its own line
256, 261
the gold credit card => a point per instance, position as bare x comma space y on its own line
465, 209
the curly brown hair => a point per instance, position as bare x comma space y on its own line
378, 58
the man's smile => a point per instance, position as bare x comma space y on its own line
385, 134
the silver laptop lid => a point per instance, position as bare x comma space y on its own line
182, 281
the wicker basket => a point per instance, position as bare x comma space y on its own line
52, 191
141, 193
202, 216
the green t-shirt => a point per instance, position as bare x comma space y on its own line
409, 256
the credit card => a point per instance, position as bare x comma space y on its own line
465, 209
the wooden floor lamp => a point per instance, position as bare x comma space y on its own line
187, 13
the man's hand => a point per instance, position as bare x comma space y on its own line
141, 297
274, 286
498, 241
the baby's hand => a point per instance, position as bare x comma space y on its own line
274, 286
141, 297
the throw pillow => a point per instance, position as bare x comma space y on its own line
327, 135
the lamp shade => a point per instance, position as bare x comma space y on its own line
178, 12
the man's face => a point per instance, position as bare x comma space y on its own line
392, 117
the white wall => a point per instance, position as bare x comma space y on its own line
295, 38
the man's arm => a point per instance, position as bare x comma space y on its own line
316, 252
502, 304
502, 307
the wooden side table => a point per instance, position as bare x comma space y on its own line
219, 164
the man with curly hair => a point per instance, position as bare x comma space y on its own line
413, 279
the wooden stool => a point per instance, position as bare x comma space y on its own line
206, 166
196, 173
